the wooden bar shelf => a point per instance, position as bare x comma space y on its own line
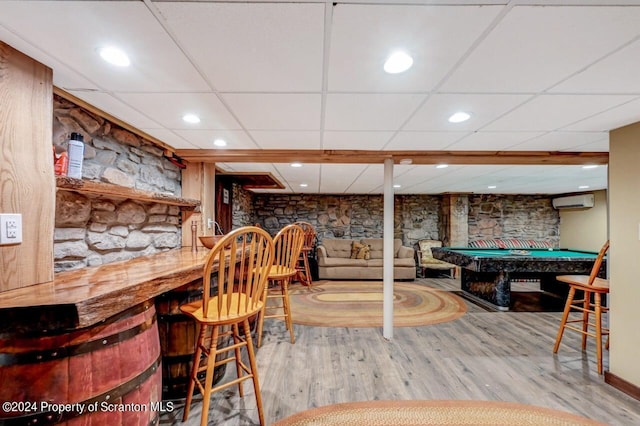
64, 183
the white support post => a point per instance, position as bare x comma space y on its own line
387, 262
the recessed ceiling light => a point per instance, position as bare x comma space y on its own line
303, 185
583, 187
442, 166
220, 142
114, 56
397, 186
296, 164
398, 62
459, 117
492, 187
406, 161
191, 118
590, 166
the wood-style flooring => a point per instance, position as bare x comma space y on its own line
501, 356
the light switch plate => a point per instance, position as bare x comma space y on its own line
10, 229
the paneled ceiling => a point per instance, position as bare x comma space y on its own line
308, 75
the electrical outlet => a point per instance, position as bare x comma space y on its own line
10, 229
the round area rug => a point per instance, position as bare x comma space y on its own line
415, 413
359, 304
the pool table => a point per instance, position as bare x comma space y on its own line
487, 273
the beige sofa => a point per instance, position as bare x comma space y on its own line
335, 260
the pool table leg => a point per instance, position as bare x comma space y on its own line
494, 288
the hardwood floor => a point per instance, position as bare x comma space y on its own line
502, 356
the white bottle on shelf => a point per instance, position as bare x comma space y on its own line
76, 156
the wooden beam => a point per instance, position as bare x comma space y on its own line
375, 157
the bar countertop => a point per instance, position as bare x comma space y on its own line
84, 297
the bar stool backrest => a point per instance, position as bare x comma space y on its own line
596, 266
247, 254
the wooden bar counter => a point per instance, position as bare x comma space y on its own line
84, 297
89, 340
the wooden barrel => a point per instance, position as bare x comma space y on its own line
107, 374
178, 335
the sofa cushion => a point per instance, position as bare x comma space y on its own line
376, 245
341, 261
360, 251
403, 262
337, 247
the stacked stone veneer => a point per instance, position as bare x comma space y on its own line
242, 209
95, 230
416, 217
350, 216
513, 216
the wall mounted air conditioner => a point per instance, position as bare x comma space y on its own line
573, 202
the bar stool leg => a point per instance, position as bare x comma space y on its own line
586, 306
261, 315
238, 355
286, 307
208, 380
254, 371
598, 309
194, 371
565, 316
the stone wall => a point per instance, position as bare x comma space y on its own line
513, 216
416, 217
350, 216
95, 230
243, 211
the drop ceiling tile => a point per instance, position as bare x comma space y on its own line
63, 76
355, 140
491, 141
157, 63
560, 141
362, 37
276, 111
617, 73
369, 111
434, 114
170, 138
619, 116
551, 112
273, 139
532, 48
203, 139
337, 178
169, 108
424, 141
252, 46
106, 102
292, 177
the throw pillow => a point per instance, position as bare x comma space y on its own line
364, 252
355, 249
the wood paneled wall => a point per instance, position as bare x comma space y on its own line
27, 185
198, 183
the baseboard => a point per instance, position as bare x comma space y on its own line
622, 385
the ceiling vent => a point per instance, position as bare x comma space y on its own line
573, 202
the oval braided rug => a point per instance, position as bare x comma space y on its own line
359, 304
438, 412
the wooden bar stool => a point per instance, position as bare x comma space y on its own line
240, 265
304, 271
288, 244
589, 285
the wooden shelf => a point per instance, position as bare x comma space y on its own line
65, 183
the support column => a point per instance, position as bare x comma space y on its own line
454, 228
387, 262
